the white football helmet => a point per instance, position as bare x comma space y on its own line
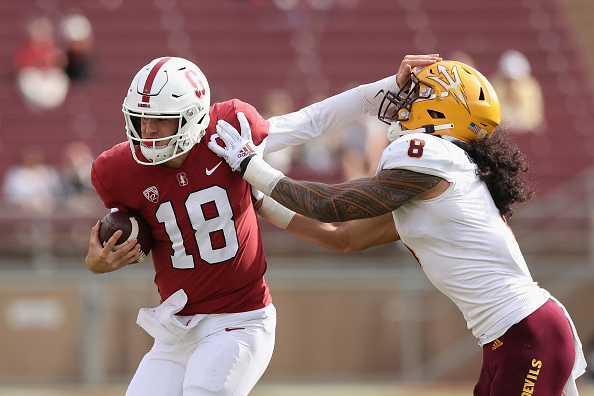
167, 87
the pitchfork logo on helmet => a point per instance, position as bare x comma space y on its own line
452, 84
446, 98
167, 87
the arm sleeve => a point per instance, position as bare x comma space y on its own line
329, 114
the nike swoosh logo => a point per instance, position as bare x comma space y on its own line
210, 171
234, 328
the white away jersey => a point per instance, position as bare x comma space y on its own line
460, 239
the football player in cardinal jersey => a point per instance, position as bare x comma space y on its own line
215, 327
443, 187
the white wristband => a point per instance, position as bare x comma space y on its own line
275, 213
261, 175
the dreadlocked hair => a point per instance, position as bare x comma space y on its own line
501, 165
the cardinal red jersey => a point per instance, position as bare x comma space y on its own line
207, 238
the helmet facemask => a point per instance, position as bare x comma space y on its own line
188, 133
397, 107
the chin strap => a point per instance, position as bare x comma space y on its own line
395, 130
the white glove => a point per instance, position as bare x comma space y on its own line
237, 147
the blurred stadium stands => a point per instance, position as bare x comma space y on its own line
247, 48
337, 319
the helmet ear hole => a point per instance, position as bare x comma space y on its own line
436, 114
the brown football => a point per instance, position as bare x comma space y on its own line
132, 225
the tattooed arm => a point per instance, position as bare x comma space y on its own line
349, 236
357, 199
342, 237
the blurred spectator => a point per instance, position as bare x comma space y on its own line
78, 36
352, 150
39, 65
461, 56
362, 144
278, 102
297, 13
318, 159
32, 186
349, 153
375, 143
520, 94
79, 194
590, 359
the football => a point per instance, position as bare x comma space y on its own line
132, 225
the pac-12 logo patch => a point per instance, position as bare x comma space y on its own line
152, 194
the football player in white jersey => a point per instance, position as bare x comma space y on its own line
444, 187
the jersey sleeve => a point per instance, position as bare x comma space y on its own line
420, 153
228, 111
329, 114
101, 178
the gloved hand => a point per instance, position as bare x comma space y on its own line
237, 147
241, 154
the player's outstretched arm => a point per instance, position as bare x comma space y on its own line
350, 236
357, 199
341, 237
101, 259
340, 110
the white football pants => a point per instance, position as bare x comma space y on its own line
224, 355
